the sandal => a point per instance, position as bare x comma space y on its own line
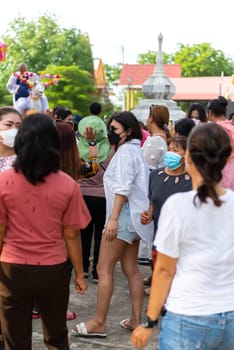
147, 281
147, 292
80, 330
125, 324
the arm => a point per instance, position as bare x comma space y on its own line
90, 136
72, 240
111, 229
2, 234
147, 216
163, 275
12, 87
90, 168
45, 104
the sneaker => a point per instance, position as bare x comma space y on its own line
36, 314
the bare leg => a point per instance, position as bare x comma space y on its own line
136, 287
110, 253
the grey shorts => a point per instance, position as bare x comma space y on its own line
126, 231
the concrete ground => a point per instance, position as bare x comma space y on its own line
84, 307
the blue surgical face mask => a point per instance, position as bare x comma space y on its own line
172, 160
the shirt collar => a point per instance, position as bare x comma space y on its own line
134, 141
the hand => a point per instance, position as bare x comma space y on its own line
110, 230
140, 336
80, 285
90, 134
145, 218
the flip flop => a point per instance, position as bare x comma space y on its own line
125, 324
80, 330
147, 292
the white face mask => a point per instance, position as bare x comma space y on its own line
8, 137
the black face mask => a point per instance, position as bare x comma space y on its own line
113, 137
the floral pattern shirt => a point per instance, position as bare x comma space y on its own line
6, 162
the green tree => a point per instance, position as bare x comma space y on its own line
202, 60
41, 43
74, 89
150, 57
113, 72
196, 61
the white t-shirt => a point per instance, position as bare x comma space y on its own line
202, 238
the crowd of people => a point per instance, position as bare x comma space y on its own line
78, 195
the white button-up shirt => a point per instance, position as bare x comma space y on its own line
127, 174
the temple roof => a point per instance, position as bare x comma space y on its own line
138, 73
193, 88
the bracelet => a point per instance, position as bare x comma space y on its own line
92, 143
93, 159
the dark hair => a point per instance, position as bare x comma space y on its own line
37, 148
129, 121
95, 108
209, 146
76, 118
70, 159
62, 113
218, 106
201, 111
8, 110
142, 125
184, 126
179, 140
231, 115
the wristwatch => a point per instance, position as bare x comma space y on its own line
147, 322
92, 143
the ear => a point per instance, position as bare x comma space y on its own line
150, 119
129, 131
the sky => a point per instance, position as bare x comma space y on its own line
121, 30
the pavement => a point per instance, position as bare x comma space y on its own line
84, 307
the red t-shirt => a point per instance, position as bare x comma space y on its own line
35, 216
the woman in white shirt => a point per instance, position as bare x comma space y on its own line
194, 273
126, 184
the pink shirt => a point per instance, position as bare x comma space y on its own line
35, 216
228, 171
145, 134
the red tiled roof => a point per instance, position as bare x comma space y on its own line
138, 73
196, 88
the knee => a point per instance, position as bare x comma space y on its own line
130, 271
104, 271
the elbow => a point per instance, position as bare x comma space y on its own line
168, 273
70, 234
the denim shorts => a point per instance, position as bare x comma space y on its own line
206, 332
126, 231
